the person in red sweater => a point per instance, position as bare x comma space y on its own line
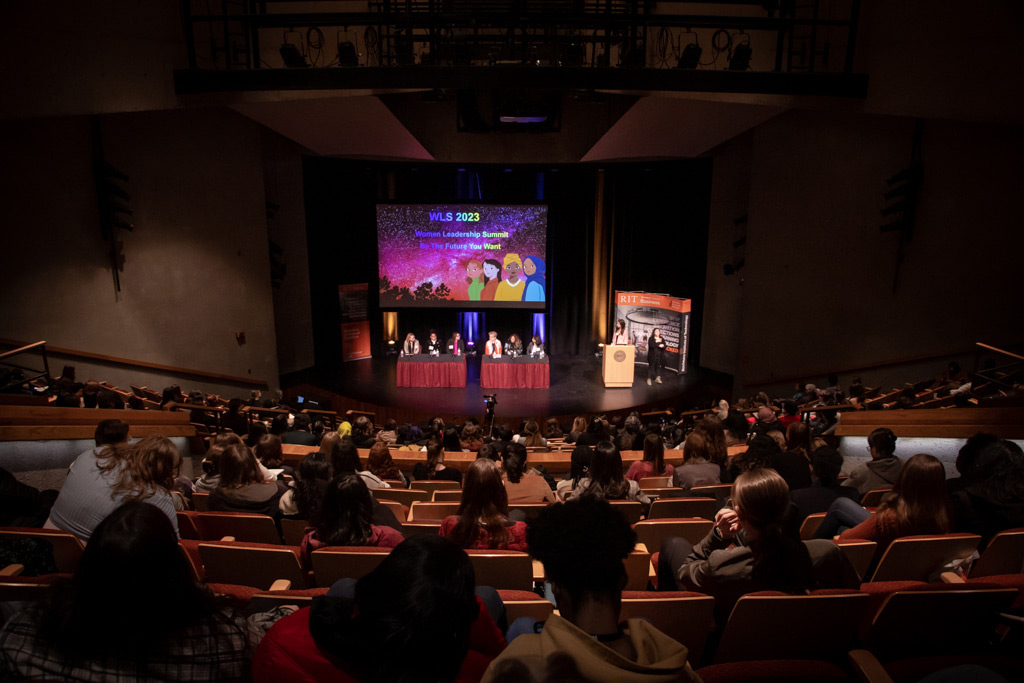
917, 505
414, 617
345, 518
483, 520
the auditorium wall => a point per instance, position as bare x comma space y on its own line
822, 286
196, 266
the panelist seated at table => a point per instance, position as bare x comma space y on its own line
536, 348
411, 346
434, 345
514, 346
456, 346
493, 345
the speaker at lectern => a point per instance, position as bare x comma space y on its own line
617, 367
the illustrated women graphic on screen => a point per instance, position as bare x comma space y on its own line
492, 277
511, 288
475, 278
533, 268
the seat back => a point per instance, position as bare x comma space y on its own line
1004, 555
653, 532
873, 497
410, 529
922, 623
292, 530
719, 491
447, 496
821, 627
242, 526
505, 569
251, 564
186, 526
655, 482
630, 509
810, 525
525, 604
397, 509
343, 562
860, 554
529, 510
67, 549
684, 507
917, 558
686, 617
404, 496
201, 501
638, 568
431, 512
431, 485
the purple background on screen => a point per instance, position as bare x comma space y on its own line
405, 264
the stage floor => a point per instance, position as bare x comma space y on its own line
576, 388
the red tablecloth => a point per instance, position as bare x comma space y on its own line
424, 371
514, 373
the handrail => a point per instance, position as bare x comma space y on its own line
23, 349
998, 350
117, 360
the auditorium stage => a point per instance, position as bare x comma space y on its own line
576, 388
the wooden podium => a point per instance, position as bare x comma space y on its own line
617, 367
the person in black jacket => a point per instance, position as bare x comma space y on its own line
655, 355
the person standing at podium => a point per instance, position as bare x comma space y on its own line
493, 345
456, 346
655, 356
620, 337
411, 345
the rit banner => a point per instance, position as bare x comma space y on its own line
644, 312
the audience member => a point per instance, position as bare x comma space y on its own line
345, 518
531, 435
304, 496
524, 486
472, 437
343, 455
233, 419
994, 500
450, 440
132, 612
435, 468
653, 463
413, 618
242, 486
380, 464
697, 468
582, 545
826, 463
21, 504
553, 430
300, 432
629, 436
747, 551
918, 504
482, 520
269, 454
605, 479
579, 425
102, 478
883, 469
389, 434
965, 461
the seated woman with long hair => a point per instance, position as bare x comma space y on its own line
342, 453
482, 520
382, 465
131, 612
413, 618
605, 479
345, 517
435, 468
304, 496
746, 551
522, 485
242, 487
102, 479
653, 463
918, 504
531, 435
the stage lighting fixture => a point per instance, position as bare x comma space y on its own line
690, 57
293, 59
739, 60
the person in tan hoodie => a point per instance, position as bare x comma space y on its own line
582, 544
